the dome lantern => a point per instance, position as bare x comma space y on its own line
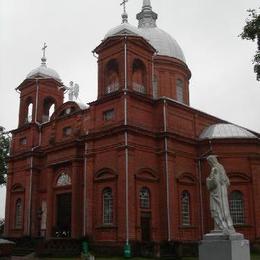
147, 18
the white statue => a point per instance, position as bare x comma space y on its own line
73, 91
217, 184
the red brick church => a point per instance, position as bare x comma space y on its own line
130, 166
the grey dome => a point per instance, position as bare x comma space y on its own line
43, 72
124, 28
222, 131
162, 42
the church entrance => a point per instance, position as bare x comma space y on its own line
63, 220
146, 226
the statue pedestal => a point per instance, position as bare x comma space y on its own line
217, 246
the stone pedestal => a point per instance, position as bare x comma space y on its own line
217, 246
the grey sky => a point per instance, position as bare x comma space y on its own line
223, 83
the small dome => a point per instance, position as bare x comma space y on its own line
162, 42
123, 28
43, 72
222, 131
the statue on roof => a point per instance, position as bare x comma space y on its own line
73, 91
217, 184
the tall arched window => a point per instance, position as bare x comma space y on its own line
28, 110
185, 208
107, 206
139, 76
144, 196
112, 76
29, 114
237, 207
180, 90
18, 214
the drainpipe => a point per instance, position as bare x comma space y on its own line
166, 169
29, 226
126, 143
85, 191
203, 156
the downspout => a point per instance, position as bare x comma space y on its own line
29, 227
85, 190
126, 143
166, 169
200, 186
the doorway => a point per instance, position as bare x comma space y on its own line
146, 226
63, 223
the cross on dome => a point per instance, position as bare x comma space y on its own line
124, 15
124, 5
43, 56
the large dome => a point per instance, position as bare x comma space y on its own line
162, 41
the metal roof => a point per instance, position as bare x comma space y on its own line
162, 41
44, 72
222, 131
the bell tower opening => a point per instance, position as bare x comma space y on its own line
112, 76
48, 109
139, 76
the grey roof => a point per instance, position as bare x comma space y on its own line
163, 42
147, 28
222, 131
43, 72
123, 28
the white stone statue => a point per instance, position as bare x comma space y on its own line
217, 184
73, 91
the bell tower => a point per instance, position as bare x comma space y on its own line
40, 93
124, 61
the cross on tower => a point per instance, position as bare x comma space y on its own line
44, 48
124, 4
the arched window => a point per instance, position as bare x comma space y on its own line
107, 206
144, 196
48, 109
29, 114
112, 76
28, 110
237, 207
180, 90
18, 214
64, 179
185, 208
139, 76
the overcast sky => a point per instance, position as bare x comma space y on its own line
223, 82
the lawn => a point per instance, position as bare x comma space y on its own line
253, 257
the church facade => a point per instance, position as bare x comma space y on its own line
131, 166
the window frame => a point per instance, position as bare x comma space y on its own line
145, 201
18, 220
108, 207
237, 207
185, 209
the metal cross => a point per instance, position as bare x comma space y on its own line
44, 48
124, 4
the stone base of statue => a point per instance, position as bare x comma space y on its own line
218, 246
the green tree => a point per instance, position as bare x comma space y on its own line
2, 224
4, 152
251, 31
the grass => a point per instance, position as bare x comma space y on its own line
253, 257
